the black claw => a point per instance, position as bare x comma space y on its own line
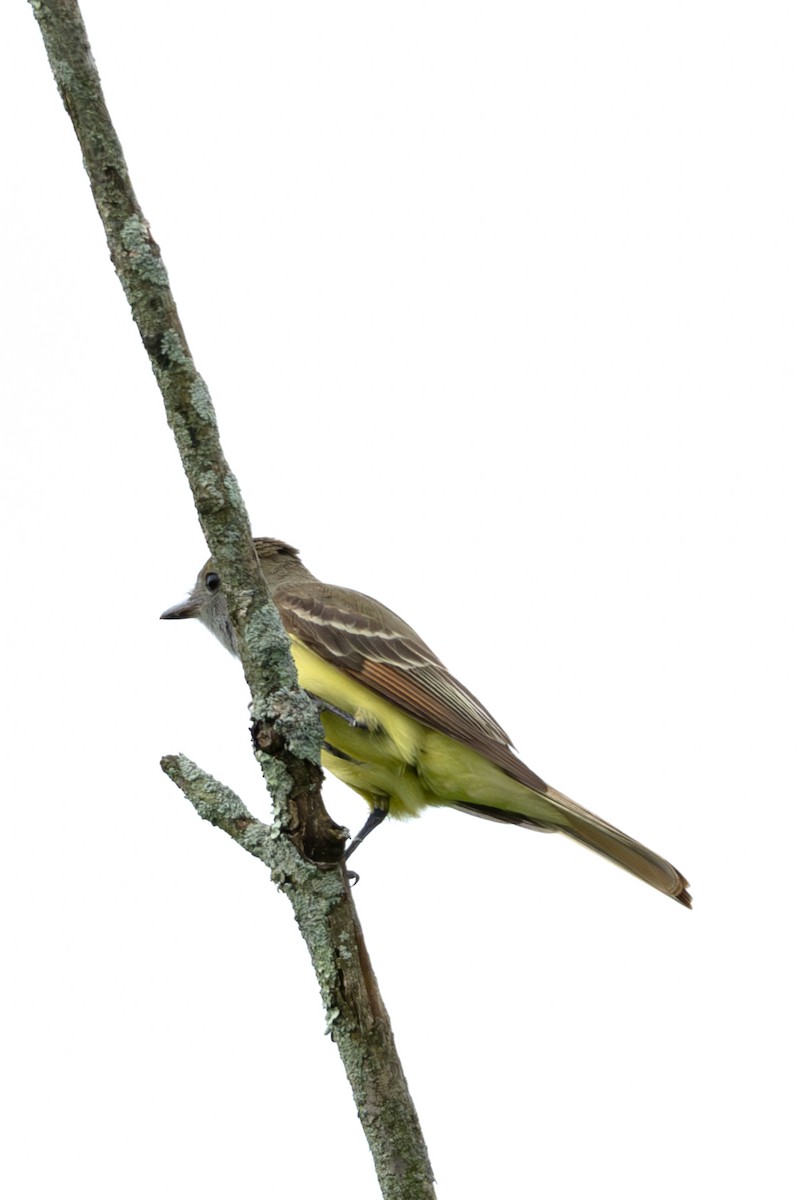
324, 706
372, 822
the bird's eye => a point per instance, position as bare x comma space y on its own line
212, 581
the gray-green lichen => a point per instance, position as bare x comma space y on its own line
172, 349
63, 72
143, 257
201, 400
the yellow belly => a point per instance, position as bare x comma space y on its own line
391, 756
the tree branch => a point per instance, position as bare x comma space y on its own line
355, 1013
302, 829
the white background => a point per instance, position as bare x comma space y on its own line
498, 305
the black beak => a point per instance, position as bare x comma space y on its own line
186, 608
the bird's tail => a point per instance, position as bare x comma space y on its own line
565, 816
598, 835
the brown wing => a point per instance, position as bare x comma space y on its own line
374, 646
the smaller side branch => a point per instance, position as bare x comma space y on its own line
216, 803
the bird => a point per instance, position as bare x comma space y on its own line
399, 728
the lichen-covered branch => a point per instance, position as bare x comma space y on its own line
293, 774
303, 847
355, 1013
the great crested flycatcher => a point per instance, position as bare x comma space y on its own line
399, 729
